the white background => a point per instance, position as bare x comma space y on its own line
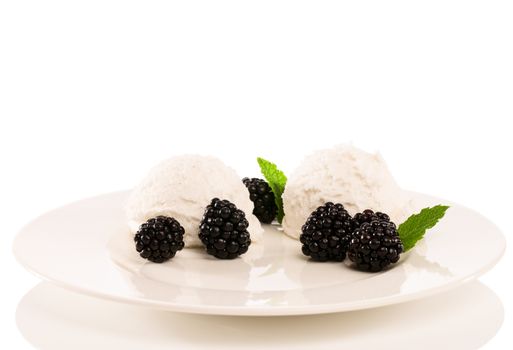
93, 93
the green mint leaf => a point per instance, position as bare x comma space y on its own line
414, 228
277, 180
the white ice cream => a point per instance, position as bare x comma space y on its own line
181, 187
346, 175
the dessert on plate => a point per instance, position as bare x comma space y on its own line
340, 202
182, 187
344, 174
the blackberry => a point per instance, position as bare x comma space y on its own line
368, 216
159, 238
262, 197
223, 230
375, 244
326, 234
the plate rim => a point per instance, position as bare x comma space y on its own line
275, 310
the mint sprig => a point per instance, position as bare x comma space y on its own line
414, 228
277, 181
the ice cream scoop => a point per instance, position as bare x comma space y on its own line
181, 187
346, 175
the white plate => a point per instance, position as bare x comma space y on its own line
53, 318
85, 246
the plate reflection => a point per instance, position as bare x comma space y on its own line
52, 318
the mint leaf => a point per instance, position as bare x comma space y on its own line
277, 180
414, 228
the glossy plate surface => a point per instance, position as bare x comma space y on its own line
85, 246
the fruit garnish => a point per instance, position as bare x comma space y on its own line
326, 234
223, 230
375, 243
262, 197
159, 238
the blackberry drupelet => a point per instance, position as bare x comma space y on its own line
223, 230
375, 245
326, 234
367, 216
159, 238
262, 197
